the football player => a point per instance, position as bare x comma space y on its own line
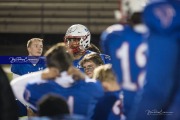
124, 43
78, 39
90, 62
35, 48
110, 106
161, 94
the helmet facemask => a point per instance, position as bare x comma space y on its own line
84, 42
74, 45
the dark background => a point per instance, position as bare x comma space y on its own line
15, 43
49, 39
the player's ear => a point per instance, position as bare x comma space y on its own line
28, 49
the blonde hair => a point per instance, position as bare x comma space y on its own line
94, 57
104, 73
32, 40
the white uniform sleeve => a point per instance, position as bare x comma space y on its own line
18, 84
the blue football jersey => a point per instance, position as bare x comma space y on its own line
21, 69
83, 95
127, 49
76, 63
110, 107
159, 98
106, 58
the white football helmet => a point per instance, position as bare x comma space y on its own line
128, 7
78, 31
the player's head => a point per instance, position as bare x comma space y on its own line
52, 105
129, 7
105, 75
77, 38
90, 62
58, 57
35, 47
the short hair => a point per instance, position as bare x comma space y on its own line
94, 57
104, 73
58, 57
136, 18
33, 39
52, 105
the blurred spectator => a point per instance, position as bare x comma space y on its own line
8, 107
52, 105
